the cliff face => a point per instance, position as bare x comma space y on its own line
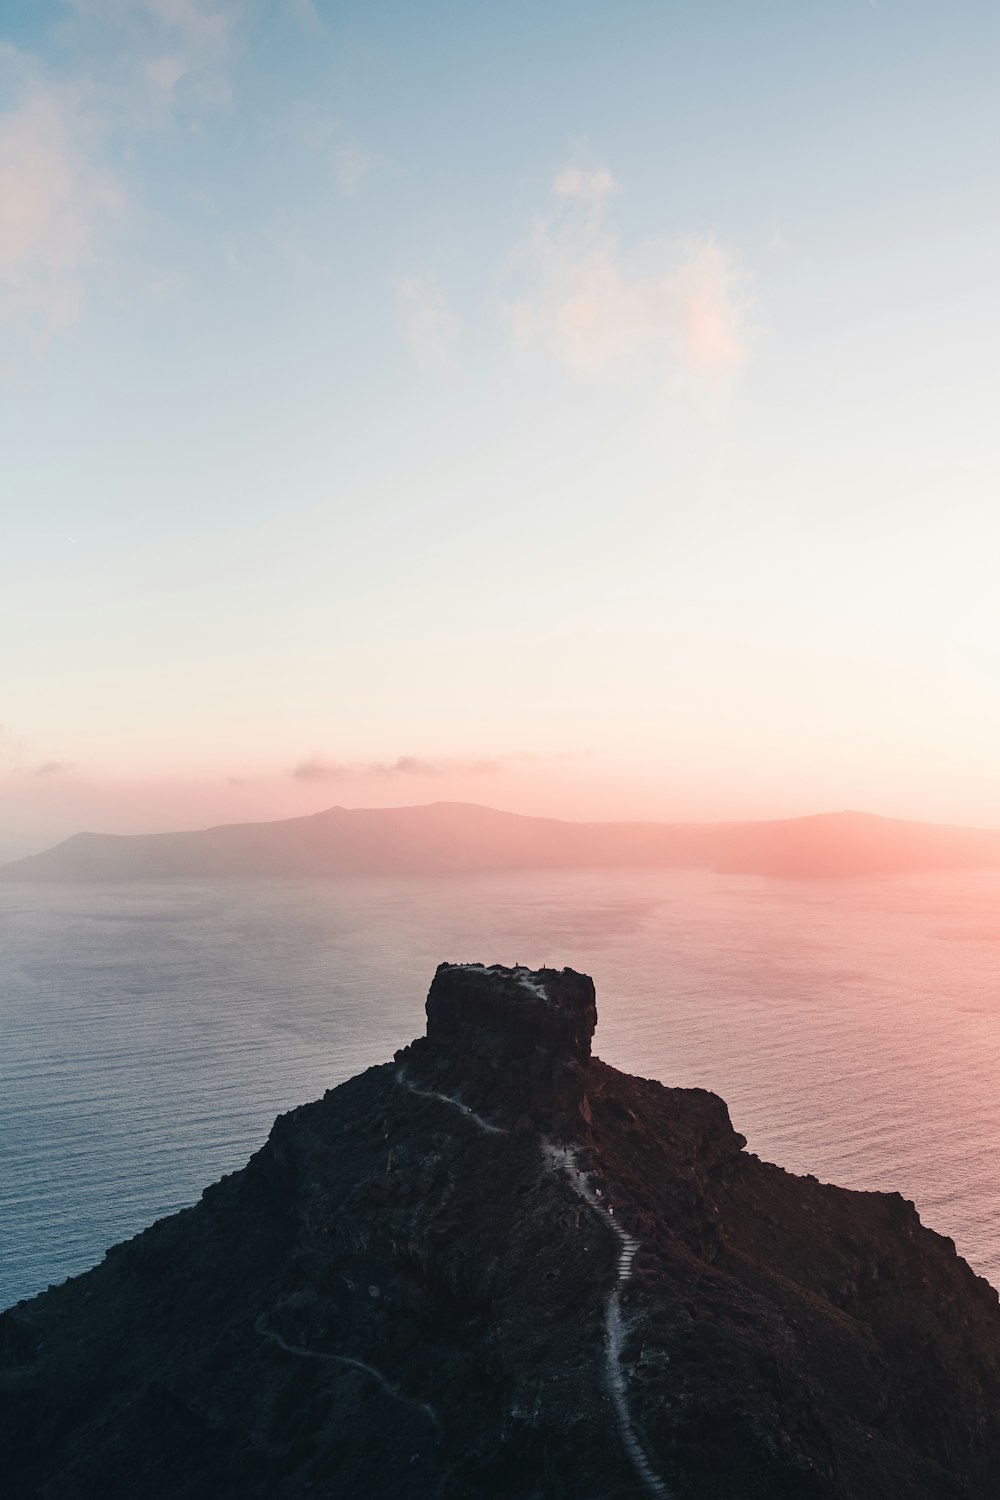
498, 1267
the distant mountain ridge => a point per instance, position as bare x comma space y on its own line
461, 837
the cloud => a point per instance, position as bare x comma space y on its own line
55, 204
163, 72
593, 186
321, 133
332, 143
16, 756
306, 14
198, 95
351, 166
157, 60
603, 313
431, 327
317, 768
199, 23
144, 62
709, 316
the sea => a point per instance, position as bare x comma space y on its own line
149, 1033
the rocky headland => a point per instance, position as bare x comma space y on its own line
497, 1267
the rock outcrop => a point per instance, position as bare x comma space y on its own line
514, 1041
497, 1267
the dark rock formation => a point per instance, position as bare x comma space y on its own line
504, 1015
496, 1267
515, 1041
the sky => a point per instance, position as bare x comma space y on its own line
583, 409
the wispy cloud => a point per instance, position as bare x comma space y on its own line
201, 20
52, 768
333, 145
56, 200
603, 312
198, 95
318, 768
429, 323
157, 60
351, 166
17, 758
305, 13
161, 72
592, 186
200, 23
140, 64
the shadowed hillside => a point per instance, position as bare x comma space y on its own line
498, 1267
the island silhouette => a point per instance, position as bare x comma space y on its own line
463, 837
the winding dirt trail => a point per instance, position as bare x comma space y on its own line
562, 1161
463, 1109
356, 1364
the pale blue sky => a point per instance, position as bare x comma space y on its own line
604, 392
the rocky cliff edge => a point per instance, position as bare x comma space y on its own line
497, 1267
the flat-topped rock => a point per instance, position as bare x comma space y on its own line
502, 1014
512, 1041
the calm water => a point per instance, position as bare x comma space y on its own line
149, 1034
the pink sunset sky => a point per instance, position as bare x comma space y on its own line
396, 413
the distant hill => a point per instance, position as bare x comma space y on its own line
456, 837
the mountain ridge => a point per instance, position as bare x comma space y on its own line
465, 837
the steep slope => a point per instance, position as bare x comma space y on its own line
499, 1267
450, 837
